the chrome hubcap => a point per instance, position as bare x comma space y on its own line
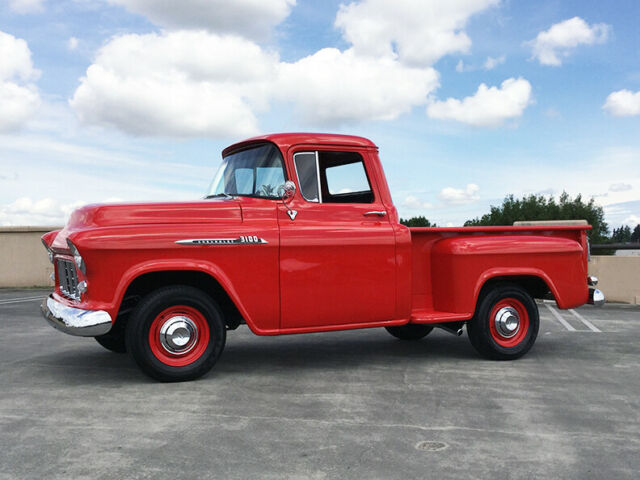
178, 335
507, 322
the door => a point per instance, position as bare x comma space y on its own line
337, 252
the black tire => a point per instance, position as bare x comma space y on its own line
148, 313
485, 335
410, 331
113, 341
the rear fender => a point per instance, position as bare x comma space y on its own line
461, 266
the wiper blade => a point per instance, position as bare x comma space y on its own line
215, 195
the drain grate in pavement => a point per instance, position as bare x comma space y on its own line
430, 446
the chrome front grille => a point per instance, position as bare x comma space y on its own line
68, 279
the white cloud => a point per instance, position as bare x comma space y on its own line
16, 59
27, 6
189, 83
418, 32
461, 67
488, 107
19, 97
551, 45
623, 103
489, 64
46, 211
249, 18
414, 203
332, 87
631, 220
492, 63
72, 43
620, 187
459, 196
183, 83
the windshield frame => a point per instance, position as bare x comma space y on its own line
225, 159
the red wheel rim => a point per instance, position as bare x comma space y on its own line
504, 315
179, 335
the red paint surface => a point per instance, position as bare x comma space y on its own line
331, 268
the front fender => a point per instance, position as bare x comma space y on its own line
182, 264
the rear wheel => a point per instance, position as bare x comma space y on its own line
176, 333
506, 323
410, 331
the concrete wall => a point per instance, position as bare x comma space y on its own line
619, 277
24, 263
23, 259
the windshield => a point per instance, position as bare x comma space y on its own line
254, 172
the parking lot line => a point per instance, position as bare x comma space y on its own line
555, 313
589, 325
20, 300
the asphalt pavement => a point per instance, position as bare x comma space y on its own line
355, 404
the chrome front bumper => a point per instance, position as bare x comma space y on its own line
75, 321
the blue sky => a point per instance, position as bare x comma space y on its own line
468, 100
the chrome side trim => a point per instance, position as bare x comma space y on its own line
241, 240
75, 321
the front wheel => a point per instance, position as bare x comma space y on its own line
506, 323
176, 333
113, 341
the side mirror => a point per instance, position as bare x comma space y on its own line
287, 190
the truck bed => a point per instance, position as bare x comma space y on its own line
451, 264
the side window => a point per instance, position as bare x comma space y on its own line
333, 177
347, 178
343, 178
306, 164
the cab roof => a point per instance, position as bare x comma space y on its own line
286, 140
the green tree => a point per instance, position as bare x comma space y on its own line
540, 207
621, 235
635, 236
417, 222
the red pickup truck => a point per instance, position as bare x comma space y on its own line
299, 234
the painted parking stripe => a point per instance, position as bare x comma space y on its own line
555, 313
21, 300
589, 325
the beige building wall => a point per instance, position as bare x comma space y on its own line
619, 277
23, 259
25, 263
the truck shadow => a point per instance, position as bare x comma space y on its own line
331, 352
339, 351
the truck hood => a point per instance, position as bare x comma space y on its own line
202, 211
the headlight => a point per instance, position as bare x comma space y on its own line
77, 258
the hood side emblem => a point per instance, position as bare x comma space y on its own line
292, 214
241, 240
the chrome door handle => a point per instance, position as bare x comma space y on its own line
379, 213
